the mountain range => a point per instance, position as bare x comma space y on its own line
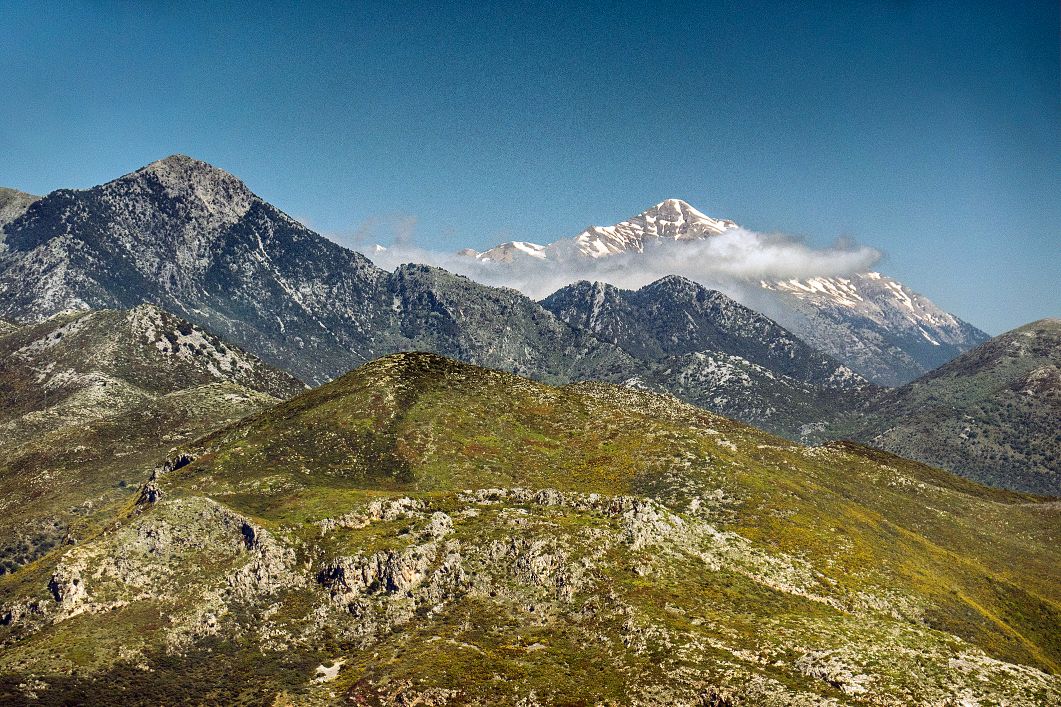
870, 322
193, 240
556, 510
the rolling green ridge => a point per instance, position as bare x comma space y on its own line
426, 531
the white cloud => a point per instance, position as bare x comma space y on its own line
721, 261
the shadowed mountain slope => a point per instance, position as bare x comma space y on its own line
713, 352
992, 414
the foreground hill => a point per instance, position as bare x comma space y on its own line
711, 351
426, 532
992, 414
90, 400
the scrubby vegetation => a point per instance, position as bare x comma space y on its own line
427, 531
990, 415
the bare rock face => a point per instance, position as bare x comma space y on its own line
387, 571
146, 561
68, 589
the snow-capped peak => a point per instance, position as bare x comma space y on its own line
676, 211
670, 219
507, 252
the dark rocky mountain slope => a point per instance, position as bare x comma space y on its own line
714, 352
992, 414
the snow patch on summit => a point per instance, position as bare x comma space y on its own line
669, 220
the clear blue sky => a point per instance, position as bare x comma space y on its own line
931, 130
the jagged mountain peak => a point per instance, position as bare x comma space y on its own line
509, 251
681, 215
675, 210
674, 290
589, 286
671, 219
184, 178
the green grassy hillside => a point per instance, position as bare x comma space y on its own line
91, 401
426, 532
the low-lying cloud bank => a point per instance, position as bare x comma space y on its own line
722, 262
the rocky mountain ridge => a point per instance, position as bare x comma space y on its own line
879, 326
711, 351
872, 323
